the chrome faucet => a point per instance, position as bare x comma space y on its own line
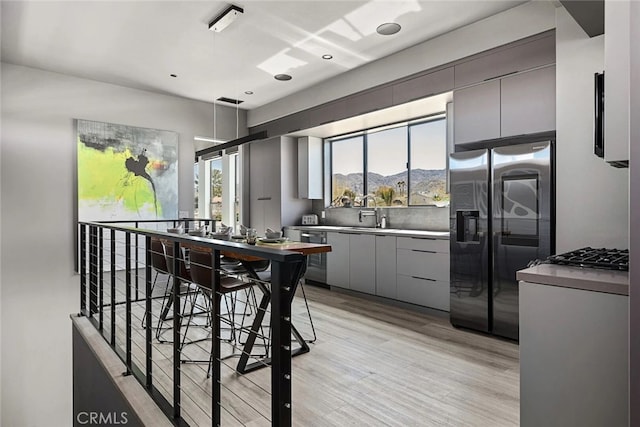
374, 212
369, 196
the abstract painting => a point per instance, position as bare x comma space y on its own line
126, 173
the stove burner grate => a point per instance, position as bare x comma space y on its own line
610, 259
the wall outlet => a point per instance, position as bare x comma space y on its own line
322, 214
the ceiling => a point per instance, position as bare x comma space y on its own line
139, 44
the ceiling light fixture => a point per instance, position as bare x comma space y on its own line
223, 20
248, 92
207, 139
282, 77
327, 56
388, 28
230, 100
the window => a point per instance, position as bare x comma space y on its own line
428, 159
398, 165
217, 188
387, 166
196, 190
347, 178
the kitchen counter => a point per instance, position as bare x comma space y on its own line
588, 279
444, 235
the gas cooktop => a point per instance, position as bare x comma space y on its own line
610, 259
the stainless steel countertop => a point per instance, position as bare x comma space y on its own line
444, 235
588, 279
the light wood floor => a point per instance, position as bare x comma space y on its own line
374, 364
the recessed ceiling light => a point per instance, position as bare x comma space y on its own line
388, 28
248, 92
327, 56
173, 75
282, 77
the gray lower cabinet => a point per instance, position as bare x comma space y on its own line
423, 272
422, 291
574, 357
362, 263
338, 260
386, 282
413, 270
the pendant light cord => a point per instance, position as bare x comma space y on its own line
237, 118
214, 93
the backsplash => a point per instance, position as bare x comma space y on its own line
428, 218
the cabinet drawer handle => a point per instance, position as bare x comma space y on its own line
264, 198
424, 238
423, 278
427, 252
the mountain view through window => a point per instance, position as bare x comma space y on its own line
404, 165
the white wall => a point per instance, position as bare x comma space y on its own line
39, 288
592, 197
514, 24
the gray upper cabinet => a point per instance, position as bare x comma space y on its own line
293, 122
369, 101
528, 102
423, 86
534, 52
508, 60
265, 182
273, 188
476, 112
520, 104
327, 113
617, 80
310, 178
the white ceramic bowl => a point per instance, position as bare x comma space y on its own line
273, 234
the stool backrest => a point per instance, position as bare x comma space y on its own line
201, 268
183, 272
158, 256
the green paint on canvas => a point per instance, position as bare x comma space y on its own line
103, 176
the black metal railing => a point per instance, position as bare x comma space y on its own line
159, 322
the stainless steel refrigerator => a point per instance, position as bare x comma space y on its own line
502, 217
